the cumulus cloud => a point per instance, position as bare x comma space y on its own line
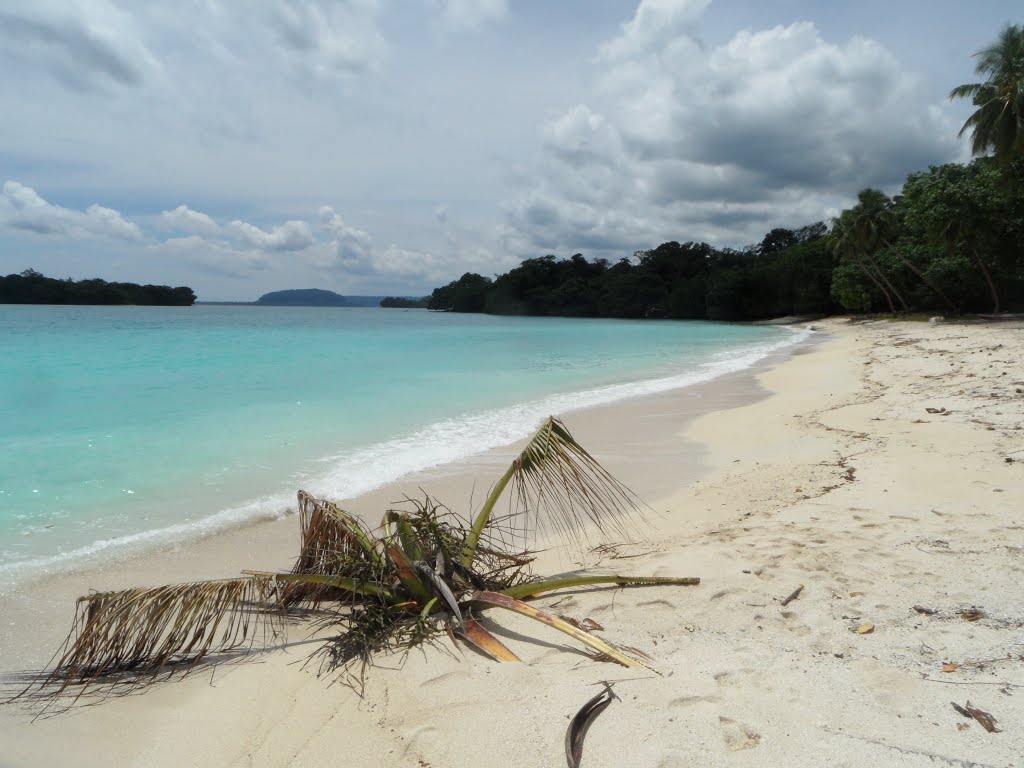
22, 208
471, 14
680, 141
80, 44
290, 236
184, 219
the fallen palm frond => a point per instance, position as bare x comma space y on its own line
416, 577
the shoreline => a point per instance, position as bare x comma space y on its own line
255, 511
825, 470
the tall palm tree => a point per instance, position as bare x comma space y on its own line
876, 226
846, 242
998, 121
423, 573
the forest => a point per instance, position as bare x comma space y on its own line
950, 242
31, 287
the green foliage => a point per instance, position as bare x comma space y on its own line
32, 287
998, 121
402, 302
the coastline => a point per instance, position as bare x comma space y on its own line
755, 494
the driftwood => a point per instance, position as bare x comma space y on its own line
793, 595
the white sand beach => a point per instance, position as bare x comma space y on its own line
823, 469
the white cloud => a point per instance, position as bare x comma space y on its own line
80, 44
681, 142
22, 208
655, 23
184, 219
290, 236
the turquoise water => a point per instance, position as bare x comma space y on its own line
122, 425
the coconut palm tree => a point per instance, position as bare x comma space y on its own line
424, 573
875, 226
998, 121
845, 242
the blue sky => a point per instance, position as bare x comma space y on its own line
388, 146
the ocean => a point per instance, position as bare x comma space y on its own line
122, 426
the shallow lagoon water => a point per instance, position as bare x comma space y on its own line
126, 425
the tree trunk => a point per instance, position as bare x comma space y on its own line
988, 279
878, 284
886, 280
930, 283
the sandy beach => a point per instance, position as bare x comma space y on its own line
879, 470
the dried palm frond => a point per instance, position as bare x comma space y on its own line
408, 582
137, 633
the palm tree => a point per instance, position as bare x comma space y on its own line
424, 573
998, 121
845, 242
875, 226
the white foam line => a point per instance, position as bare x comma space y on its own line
444, 442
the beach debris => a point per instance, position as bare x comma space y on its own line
984, 719
856, 594
581, 722
939, 411
426, 571
950, 666
587, 625
972, 614
925, 611
865, 629
793, 595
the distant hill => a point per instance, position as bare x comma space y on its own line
303, 297
315, 297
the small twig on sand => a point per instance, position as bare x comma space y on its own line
793, 595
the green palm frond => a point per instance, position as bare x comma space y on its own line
558, 485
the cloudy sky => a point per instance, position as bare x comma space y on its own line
388, 146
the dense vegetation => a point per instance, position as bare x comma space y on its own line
951, 242
403, 302
31, 287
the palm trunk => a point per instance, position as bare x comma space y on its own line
931, 284
988, 279
881, 275
878, 284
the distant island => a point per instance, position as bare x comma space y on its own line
303, 297
31, 287
312, 297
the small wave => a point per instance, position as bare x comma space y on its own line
445, 442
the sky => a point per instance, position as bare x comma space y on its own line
389, 146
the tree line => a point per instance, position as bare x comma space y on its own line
952, 241
31, 287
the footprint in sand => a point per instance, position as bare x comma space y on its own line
737, 736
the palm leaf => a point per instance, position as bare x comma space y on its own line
138, 632
518, 606
555, 475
